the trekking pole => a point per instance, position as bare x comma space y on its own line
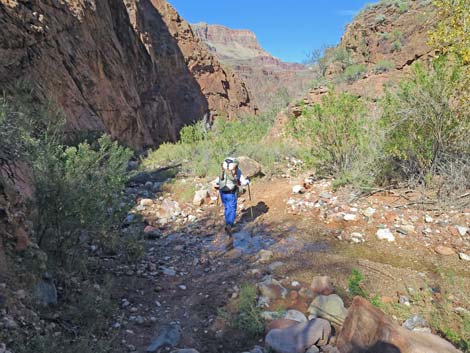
249, 196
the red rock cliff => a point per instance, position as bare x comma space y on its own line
140, 82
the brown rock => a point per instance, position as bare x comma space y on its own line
322, 285
367, 329
249, 167
388, 300
298, 338
280, 324
139, 76
444, 250
293, 295
22, 240
264, 74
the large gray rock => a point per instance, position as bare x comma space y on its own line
199, 197
367, 329
169, 335
46, 291
169, 208
249, 167
298, 338
329, 307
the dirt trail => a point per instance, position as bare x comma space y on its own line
186, 276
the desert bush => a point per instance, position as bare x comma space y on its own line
380, 18
355, 285
426, 130
354, 72
202, 152
78, 190
383, 66
249, 314
396, 46
339, 136
451, 33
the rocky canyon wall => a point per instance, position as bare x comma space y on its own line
129, 68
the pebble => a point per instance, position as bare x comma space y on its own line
405, 300
183, 287
462, 230
265, 256
313, 349
146, 202
349, 217
464, 257
444, 250
428, 219
357, 238
369, 212
385, 234
298, 189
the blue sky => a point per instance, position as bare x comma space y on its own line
286, 29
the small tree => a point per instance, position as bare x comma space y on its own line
336, 130
424, 125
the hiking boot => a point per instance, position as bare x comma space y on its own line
228, 229
229, 245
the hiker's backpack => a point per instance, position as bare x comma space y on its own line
228, 181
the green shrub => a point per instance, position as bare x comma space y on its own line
354, 72
249, 314
383, 66
354, 284
77, 193
202, 152
379, 19
426, 132
339, 137
396, 46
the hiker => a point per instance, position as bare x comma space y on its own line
228, 184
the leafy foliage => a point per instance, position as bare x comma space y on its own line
354, 284
383, 66
201, 151
77, 193
424, 129
76, 188
338, 133
452, 31
249, 314
354, 72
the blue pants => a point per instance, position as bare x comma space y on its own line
230, 207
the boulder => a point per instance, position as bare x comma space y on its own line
199, 197
46, 291
169, 209
322, 285
169, 335
249, 167
295, 315
272, 289
300, 337
280, 324
367, 329
329, 307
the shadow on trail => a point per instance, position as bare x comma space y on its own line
253, 212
